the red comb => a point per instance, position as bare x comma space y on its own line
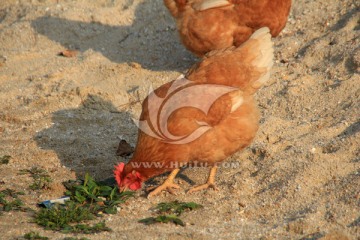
117, 172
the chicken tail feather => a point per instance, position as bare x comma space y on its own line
264, 55
208, 4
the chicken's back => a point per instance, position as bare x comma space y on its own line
246, 67
234, 116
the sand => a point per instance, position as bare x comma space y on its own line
300, 178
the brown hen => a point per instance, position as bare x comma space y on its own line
206, 25
201, 119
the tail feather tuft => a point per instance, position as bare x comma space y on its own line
264, 54
209, 4
265, 47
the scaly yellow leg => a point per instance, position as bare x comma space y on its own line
209, 184
168, 185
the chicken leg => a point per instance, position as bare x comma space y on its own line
167, 185
209, 184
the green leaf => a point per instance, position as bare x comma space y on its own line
111, 210
112, 193
34, 236
5, 159
86, 180
162, 219
176, 207
79, 197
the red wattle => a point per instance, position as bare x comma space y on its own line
117, 172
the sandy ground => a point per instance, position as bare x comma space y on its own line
300, 179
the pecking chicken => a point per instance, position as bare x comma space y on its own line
201, 119
206, 25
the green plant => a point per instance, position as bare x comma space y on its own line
5, 159
60, 216
34, 236
163, 219
41, 178
174, 210
66, 217
9, 201
97, 196
88, 199
176, 207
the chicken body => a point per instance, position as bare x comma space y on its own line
226, 81
206, 25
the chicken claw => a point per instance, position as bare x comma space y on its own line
168, 185
210, 182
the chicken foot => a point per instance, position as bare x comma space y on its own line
168, 185
209, 184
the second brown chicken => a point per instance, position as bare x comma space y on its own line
206, 25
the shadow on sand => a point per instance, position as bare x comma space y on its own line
86, 138
151, 39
